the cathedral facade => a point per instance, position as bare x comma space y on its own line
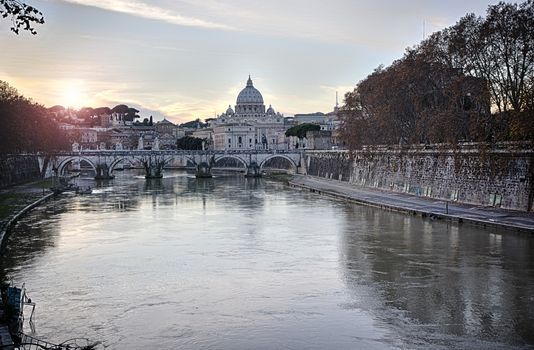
249, 125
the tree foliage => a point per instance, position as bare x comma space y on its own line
301, 130
446, 88
189, 143
194, 124
26, 126
22, 16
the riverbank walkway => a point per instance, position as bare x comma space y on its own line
424, 206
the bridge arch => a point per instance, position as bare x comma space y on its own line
190, 159
230, 156
63, 164
291, 160
131, 160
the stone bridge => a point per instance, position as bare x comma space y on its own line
104, 162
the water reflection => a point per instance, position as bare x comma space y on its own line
436, 282
239, 263
35, 235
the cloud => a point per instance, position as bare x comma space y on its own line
141, 9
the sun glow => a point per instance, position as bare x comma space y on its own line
72, 94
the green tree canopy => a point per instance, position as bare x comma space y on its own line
189, 143
301, 130
194, 124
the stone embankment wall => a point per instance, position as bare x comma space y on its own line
15, 169
500, 176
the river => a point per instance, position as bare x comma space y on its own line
235, 263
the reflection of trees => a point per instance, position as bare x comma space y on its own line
459, 281
234, 190
29, 239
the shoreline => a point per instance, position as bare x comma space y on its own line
4, 232
7, 223
425, 207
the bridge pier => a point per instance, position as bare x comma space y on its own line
253, 170
153, 172
103, 173
203, 171
154, 166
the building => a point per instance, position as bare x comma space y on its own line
328, 122
320, 139
249, 125
165, 127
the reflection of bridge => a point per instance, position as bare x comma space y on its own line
104, 162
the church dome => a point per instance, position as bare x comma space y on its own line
249, 95
270, 110
229, 111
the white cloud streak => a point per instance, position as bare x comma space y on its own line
144, 10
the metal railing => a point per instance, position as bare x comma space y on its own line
27, 342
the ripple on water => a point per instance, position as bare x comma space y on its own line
230, 263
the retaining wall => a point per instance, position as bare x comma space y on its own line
15, 169
500, 176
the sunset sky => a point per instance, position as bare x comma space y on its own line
187, 59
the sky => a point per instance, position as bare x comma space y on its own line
188, 59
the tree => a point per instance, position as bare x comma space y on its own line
415, 100
102, 111
23, 16
194, 124
131, 114
445, 88
27, 126
189, 143
500, 49
301, 130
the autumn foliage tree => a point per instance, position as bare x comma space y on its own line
25, 126
469, 82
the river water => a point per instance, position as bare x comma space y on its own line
235, 263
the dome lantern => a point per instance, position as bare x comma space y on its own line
249, 95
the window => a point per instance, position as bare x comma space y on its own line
239, 140
229, 140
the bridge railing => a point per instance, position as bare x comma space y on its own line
171, 152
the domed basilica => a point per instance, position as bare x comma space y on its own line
249, 126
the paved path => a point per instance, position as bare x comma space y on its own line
509, 219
